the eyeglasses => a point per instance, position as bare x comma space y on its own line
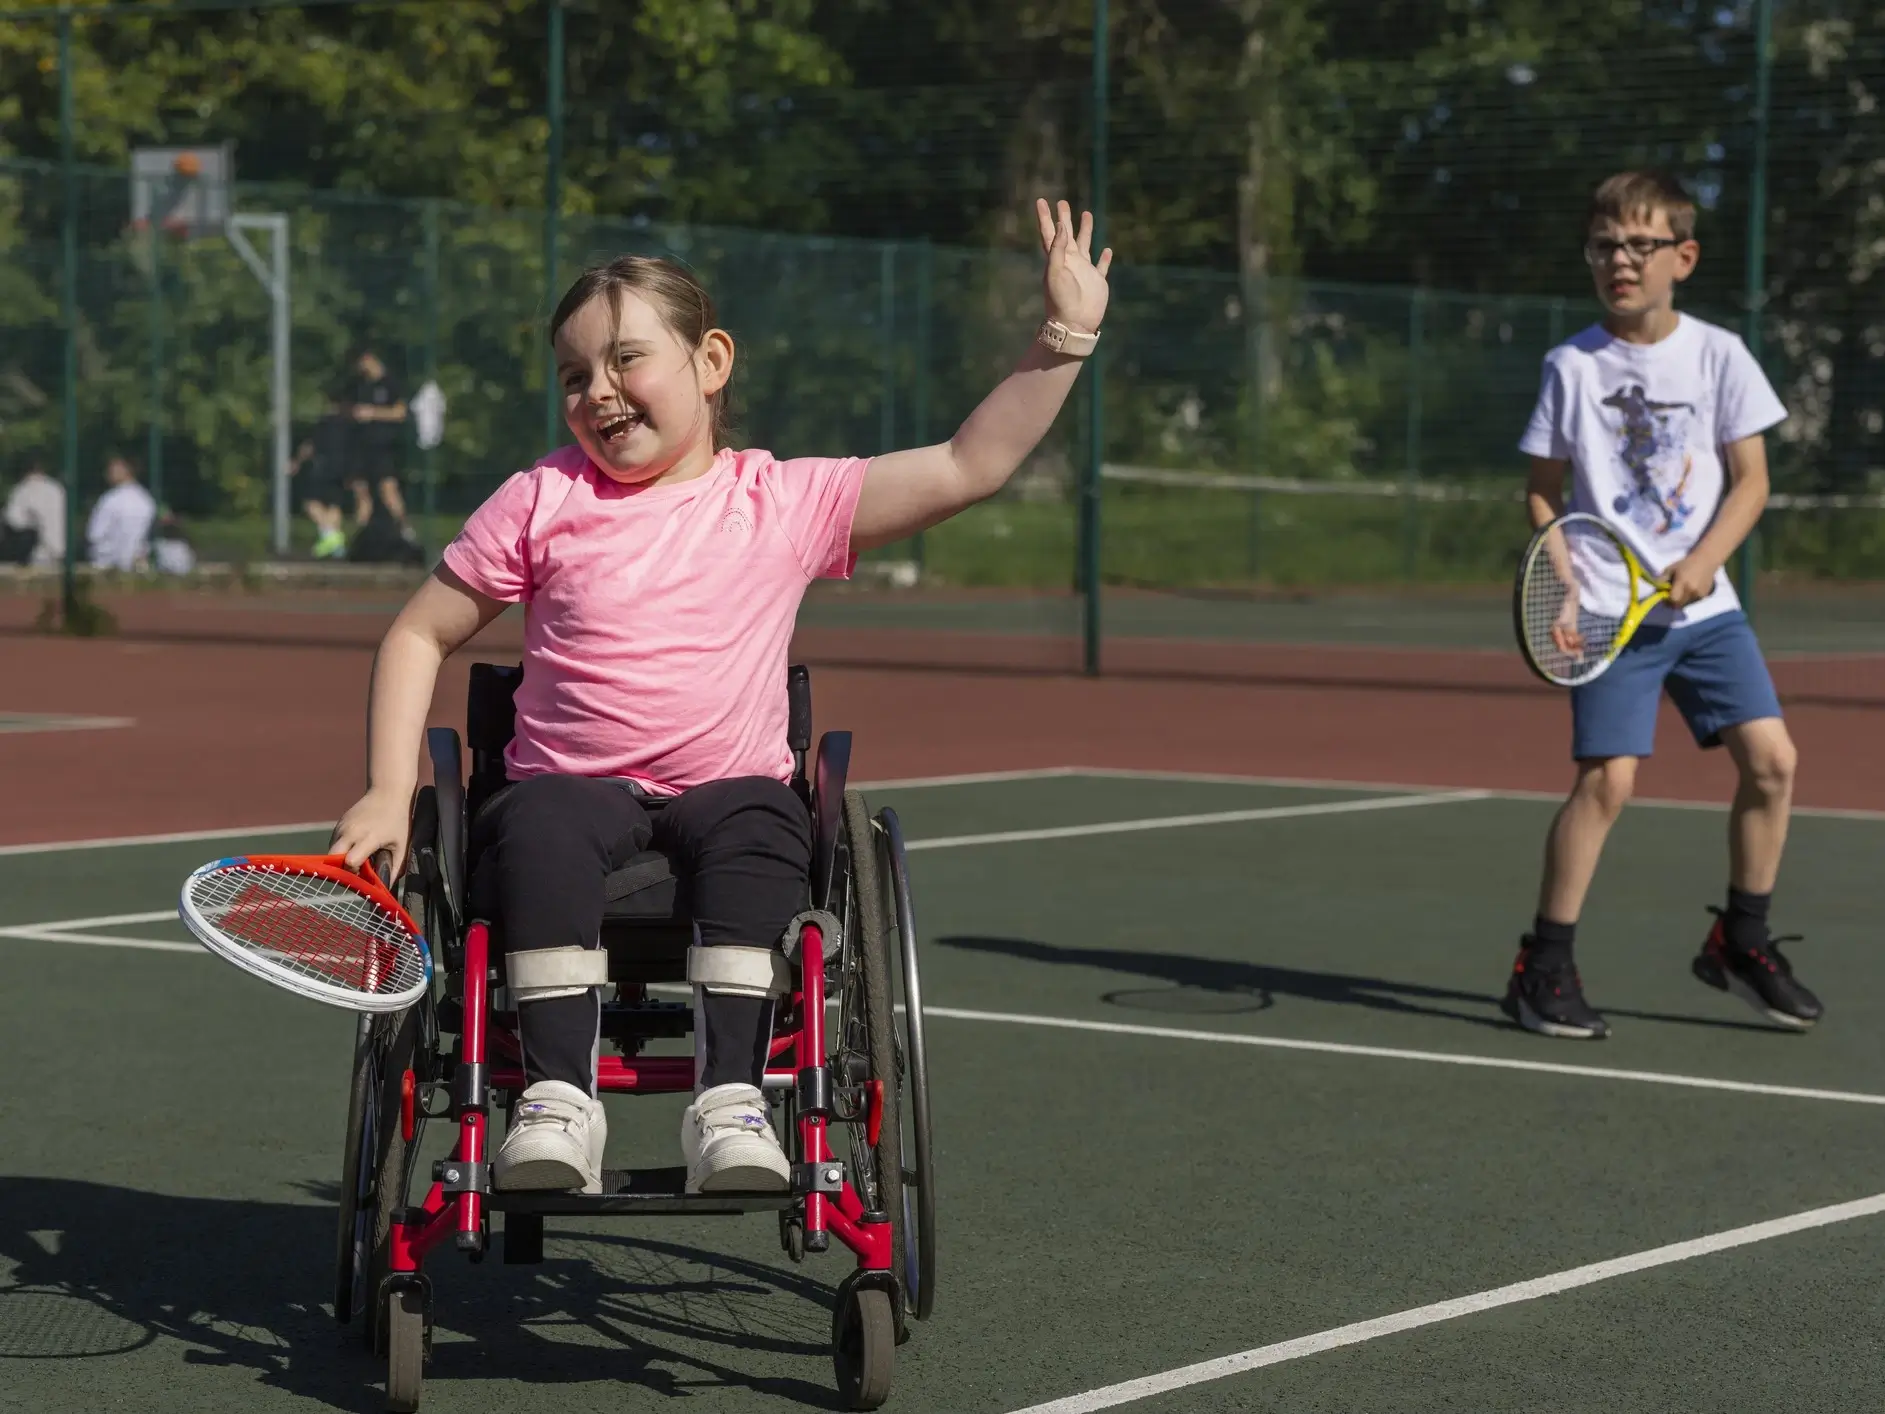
1599, 251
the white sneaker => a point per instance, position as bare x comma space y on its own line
554, 1141
726, 1135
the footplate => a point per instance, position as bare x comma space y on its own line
651, 1192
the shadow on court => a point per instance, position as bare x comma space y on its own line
1208, 986
100, 1272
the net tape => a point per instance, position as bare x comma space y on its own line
313, 927
1572, 579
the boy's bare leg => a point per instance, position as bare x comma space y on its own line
1576, 840
1764, 755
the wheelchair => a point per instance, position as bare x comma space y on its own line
847, 1079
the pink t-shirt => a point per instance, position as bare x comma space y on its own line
658, 618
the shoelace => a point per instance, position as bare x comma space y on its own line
1768, 954
743, 1117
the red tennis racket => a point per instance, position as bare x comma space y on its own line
311, 925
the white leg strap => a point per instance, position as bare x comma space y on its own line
738, 971
555, 972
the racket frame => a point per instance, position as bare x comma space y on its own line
364, 881
1627, 626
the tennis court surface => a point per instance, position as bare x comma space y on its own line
1218, 1071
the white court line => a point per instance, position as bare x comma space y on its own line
971, 778
1178, 822
1146, 1387
1225, 778
1342, 1048
57, 935
305, 827
31, 723
315, 826
109, 920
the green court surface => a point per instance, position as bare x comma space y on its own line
1793, 621
1126, 1193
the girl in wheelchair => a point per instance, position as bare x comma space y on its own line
662, 572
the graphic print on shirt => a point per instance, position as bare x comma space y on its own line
1653, 445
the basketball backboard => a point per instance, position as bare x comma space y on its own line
183, 190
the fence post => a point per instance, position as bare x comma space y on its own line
919, 392
1410, 527
154, 447
552, 205
69, 317
1747, 560
430, 219
1096, 374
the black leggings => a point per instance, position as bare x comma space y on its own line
543, 847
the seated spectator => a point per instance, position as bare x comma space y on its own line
171, 550
35, 521
119, 532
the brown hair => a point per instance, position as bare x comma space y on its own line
1629, 194
681, 300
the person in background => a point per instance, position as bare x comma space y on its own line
321, 472
35, 512
171, 550
380, 412
119, 532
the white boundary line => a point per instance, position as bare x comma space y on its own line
1126, 773
1342, 1048
34, 723
995, 778
1130, 1391
178, 837
971, 778
1179, 822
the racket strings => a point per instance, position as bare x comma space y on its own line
1573, 602
312, 926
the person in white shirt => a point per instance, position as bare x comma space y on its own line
119, 532
37, 504
1654, 421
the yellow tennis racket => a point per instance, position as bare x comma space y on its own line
1580, 597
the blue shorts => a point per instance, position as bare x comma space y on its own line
1713, 671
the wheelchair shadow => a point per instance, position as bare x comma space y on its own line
1206, 986
90, 1271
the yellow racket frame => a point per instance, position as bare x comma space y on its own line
1640, 602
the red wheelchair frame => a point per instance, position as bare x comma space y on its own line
880, 1080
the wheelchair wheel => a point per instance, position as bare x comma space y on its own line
918, 1260
377, 1168
866, 1050
863, 1345
356, 1176
407, 1337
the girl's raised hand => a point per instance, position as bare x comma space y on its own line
1075, 286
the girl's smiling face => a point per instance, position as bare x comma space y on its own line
637, 398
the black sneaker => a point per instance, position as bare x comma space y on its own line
1761, 977
1549, 999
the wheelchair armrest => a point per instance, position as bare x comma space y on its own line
448, 774
834, 764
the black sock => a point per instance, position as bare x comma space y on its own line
739, 1034
1551, 942
1744, 926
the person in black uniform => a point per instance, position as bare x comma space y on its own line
321, 469
378, 408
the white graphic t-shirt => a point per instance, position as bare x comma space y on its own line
1643, 426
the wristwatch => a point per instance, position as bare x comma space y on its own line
1062, 340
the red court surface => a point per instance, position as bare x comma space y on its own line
259, 719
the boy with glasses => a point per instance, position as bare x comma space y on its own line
1658, 418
